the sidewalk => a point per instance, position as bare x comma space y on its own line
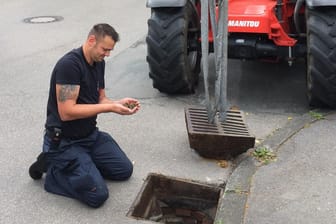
299, 187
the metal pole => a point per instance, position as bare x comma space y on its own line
218, 55
205, 58
220, 37
223, 59
216, 46
212, 12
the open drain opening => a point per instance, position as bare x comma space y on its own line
171, 200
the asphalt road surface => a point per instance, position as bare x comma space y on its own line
155, 139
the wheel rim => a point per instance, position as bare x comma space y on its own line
192, 56
192, 42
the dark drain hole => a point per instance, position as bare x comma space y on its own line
175, 201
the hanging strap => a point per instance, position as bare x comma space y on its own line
220, 34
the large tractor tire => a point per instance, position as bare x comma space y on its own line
173, 49
321, 56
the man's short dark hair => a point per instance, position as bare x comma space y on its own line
103, 29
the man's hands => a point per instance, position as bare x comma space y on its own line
126, 106
69, 109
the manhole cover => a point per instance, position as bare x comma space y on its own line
43, 19
176, 201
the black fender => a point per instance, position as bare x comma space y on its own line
165, 3
315, 3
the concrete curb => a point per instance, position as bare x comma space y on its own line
232, 204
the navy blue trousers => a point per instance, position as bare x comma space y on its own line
77, 168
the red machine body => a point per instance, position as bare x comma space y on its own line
258, 16
267, 30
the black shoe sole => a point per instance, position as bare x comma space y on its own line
37, 169
34, 171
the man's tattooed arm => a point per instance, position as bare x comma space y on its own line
68, 92
69, 109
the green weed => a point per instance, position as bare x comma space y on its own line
316, 115
264, 155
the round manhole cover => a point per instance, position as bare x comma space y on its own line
43, 19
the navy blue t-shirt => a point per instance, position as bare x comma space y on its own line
73, 69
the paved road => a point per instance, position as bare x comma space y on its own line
155, 139
300, 186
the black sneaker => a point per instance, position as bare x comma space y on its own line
39, 167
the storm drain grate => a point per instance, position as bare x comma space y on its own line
221, 139
43, 19
176, 201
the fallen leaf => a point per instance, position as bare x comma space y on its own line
223, 163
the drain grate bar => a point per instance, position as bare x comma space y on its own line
199, 122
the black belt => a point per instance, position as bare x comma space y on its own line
77, 137
56, 134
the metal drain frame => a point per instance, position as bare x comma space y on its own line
182, 193
220, 140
